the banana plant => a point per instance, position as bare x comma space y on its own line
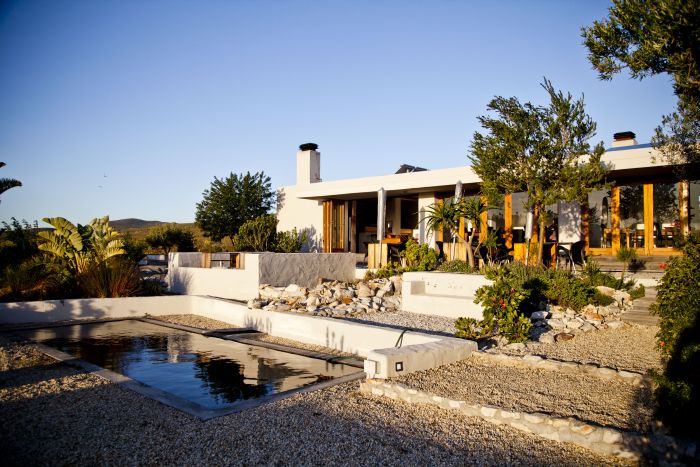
80, 246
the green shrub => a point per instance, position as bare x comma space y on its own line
110, 279
625, 255
456, 265
568, 291
257, 234
290, 241
390, 270
151, 287
595, 277
677, 391
501, 306
599, 299
135, 250
472, 329
167, 238
419, 257
637, 292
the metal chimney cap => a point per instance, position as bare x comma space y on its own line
308, 147
624, 135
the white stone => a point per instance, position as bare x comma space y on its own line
556, 323
546, 338
605, 290
615, 324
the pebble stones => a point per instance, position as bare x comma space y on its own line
332, 298
549, 325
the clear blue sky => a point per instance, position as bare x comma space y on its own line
130, 108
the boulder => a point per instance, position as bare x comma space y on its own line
614, 324
539, 315
563, 336
363, 290
605, 290
592, 315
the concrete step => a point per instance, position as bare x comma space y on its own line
640, 313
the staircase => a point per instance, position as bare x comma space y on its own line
640, 313
644, 267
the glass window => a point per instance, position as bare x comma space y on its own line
632, 215
600, 219
667, 220
694, 205
519, 216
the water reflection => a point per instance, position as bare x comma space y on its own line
205, 370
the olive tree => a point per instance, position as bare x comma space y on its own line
649, 37
541, 150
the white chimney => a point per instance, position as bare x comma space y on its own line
625, 138
308, 164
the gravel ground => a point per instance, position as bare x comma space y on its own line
480, 380
414, 321
632, 348
52, 414
194, 321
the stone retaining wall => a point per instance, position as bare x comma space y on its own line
606, 441
534, 361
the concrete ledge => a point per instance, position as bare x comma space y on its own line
442, 294
535, 361
383, 347
603, 440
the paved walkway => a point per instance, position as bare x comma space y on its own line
640, 313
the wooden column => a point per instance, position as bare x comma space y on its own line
484, 228
508, 219
353, 226
683, 195
648, 218
615, 221
327, 221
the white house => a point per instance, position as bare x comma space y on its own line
646, 208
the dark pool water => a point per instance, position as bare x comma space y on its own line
208, 371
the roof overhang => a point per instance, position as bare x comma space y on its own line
395, 185
635, 160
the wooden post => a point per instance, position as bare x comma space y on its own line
585, 226
353, 226
648, 218
508, 218
615, 221
683, 195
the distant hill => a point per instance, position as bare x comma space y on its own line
131, 223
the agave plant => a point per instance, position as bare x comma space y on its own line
80, 246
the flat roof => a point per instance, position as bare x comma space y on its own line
625, 158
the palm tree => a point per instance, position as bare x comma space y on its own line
7, 183
472, 209
443, 215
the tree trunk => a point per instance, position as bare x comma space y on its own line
470, 252
540, 241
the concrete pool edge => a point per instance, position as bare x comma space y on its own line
386, 354
159, 395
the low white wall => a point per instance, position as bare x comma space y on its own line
278, 269
236, 284
92, 308
305, 269
418, 351
442, 294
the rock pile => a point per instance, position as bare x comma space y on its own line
559, 324
333, 298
